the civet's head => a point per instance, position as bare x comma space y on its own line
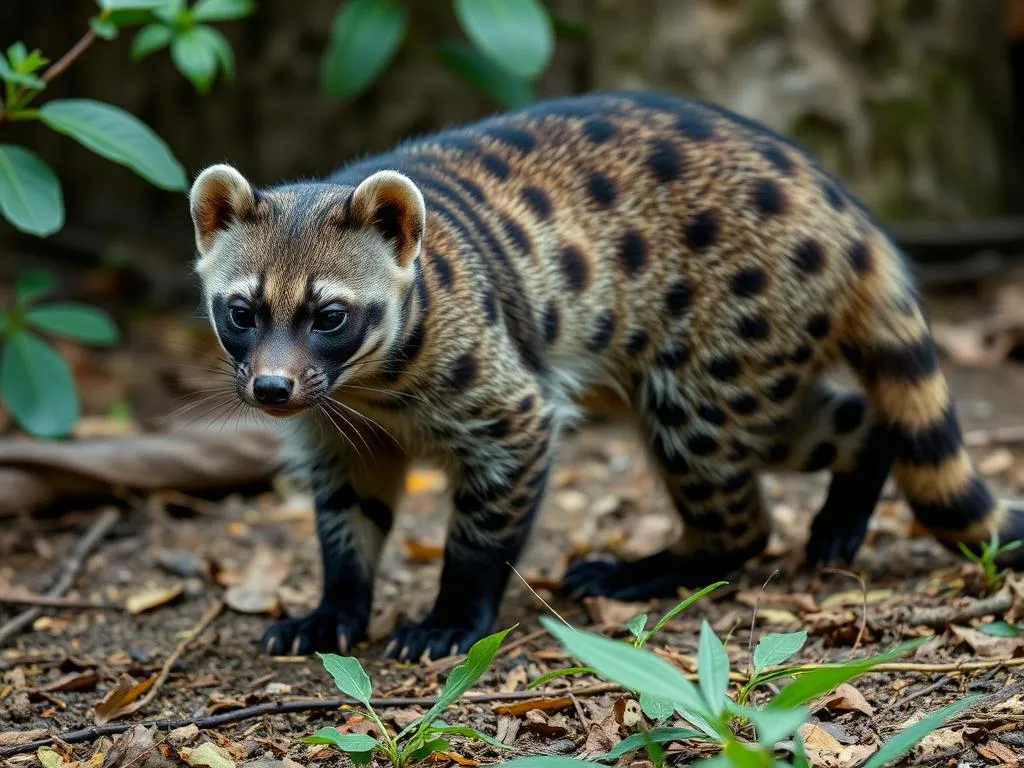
305, 284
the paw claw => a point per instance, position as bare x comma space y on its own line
323, 630
430, 641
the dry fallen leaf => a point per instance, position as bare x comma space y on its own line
152, 598
537, 722
777, 617
998, 753
855, 597
543, 703
608, 613
11, 738
257, 592
942, 740
207, 755
848, 698
817, 738
50, 757
135, 748
515, 678
455, 758
418, 551
989, 646
183, 736
800, 602
118, 700
73, 681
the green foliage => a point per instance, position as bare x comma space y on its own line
425, 735
36, 384
907, 738
511, 44
987, 560
1002, 629
30, 194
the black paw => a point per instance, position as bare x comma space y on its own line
325, 630
835, 539
432, 639
658, 575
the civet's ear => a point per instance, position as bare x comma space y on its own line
390, 203
220, 196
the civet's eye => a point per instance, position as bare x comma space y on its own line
330, 318
241, 315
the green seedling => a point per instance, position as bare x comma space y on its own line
987, 560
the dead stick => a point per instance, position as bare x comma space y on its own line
69, 572
50, 601
938, 618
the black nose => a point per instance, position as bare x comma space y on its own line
272, 390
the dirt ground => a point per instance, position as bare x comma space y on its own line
172, 557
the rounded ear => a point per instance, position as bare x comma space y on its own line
390, 203
219, 196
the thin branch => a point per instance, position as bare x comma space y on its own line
69, 572
939, 618
65, 61
51, 601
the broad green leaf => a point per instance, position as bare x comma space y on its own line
773, 725
713, 667
116, 135
131, 5
657, 735
516, 34
469, 733
365, 36
346, 742
908, 738
820, 681
742, 755
129, 18
195, 56
551, 675
30, 194
1001, 629
74, 321
800, 759
222, 48
349, 676
490, 78
776, 648
149, 39
222, 10
36, 385
682, 606
10, 75
422, 753
17, 52
104, 28
360, 758
656, 709
636, 625
31, 285
634, 668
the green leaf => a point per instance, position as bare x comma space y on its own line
30, 194
656, 709
116, 135
74, 321
222, 10
515, 34
490, 78
37, 387
365, 36
19, 78
131, 5
422, 753
908, 738
800, 759
713, 666
195, 56
349, 676
1001, 629
740, 755
31, 285
551, 675
776, 648
657, 735
469, 733
682, 606
634, 668
129, 18
103, 28
149, 39
346, 742
360, 758
222, 49
773, 724
17, 53
820, 681
636, 625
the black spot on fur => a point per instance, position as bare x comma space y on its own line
724, 367
753, 328
701, 231
697, 492
737, 451
638, 341
519, 138
574, 267
778, 157
678, 297
932, 445
537, 200
404, 353
693, 123
737, 481
374, 314
495, 166
833, 195
711, 413
674, 462
777, 453
526, 404
908, 364
849, 415
819, 325
809, 256
701, 444
972, 505
749, 282
768, 197
551, 322
490, 308
859, 256
498, 429
515, 233
673, 357
822, 457
601, 189
744, 404
664, 161
784, 388
632, 252
463, 373
604, 329
442, 269
598, 130
802, 354
669, 413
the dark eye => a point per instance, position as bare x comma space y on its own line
242, 317
329, 319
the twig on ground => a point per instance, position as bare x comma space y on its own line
939, 618
580, 713
753, 620
8, 597
69, 571
864, 603
922, 691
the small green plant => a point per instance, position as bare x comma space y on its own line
424, 736
36, 383
992, 575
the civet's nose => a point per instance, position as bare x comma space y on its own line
272, 390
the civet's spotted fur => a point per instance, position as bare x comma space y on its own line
488, 275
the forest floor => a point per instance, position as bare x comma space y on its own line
206, 576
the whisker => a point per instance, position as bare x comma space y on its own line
322, 409
182, 410
358, 431
372, 421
